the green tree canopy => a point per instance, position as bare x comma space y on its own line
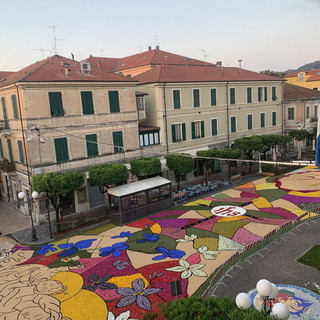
299, 135
106, 175
180, 164
145, 167
56, 186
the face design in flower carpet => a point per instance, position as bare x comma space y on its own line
304, 181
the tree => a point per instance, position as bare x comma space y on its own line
56, 186
209, 308
299, 135
279, 74
106, 175
282, 142
207, 163
230, 153
249, 146
268, 142
145, 168
180, 164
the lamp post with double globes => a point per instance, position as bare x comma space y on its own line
268, 291
23, 196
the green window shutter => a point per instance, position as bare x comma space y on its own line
117, 142
176, 99
114, 101
173, 132
183, 126
232, 95
213, 94
10, 150
87, 102
274, 94
61, 148
262, 120
196, 98
274, 118
92, 146
21, 154
1, 149
56, 106
259, 94
214, 127
14, 106
4, 113
233, 124
265, 94
202, 129
249, 121
193, 130
249, 95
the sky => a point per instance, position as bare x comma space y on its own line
264, 34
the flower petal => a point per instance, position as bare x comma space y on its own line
65, 245
126, 291
196, 266
176, 269
126, 301
203, 249
176, 254
123, 316
186, 274
107, 286
68, 252
184, 263
83, 244
199, 273
138, 285
93, 277
150, 291
143, 302
162, 256
162, 250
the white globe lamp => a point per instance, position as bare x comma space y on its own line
274, 292
264, 287
35, 195
21, 195
280, 311
243, 301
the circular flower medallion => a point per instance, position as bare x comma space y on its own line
228, 211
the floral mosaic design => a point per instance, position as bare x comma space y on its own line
127, 270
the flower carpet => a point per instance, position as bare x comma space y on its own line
124, 271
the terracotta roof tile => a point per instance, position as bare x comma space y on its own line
106, 64
176, 73
61, 69
293, 92
5, 74
144, 128
307, 72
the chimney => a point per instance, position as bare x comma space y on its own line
219, 63
157, 47
72, 56
149, 48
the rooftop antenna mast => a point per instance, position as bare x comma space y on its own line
54, 38
204, 56
43, 51
157, 40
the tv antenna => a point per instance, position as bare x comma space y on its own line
157, 40
43, 51
204, 55
54, 38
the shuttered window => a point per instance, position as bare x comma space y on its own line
262, 120
233, 124
56, 106
117, 142
92, 146
14, 106
4, 113
114, 101
178, 132
274, 94
232, 95
21, 154
274, 118
197, 129
265, 94
196, 98
291, 114
249, 117
61, 148
1, 149
214, 127
213, 96
87, 102
260, 93
249, 95
10, 150
176, 99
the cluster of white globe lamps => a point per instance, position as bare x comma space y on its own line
268, 291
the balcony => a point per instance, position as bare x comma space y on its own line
7, 166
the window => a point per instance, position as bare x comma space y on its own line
149, 138
21, 154
61, 148
178, 132
307, 112
82, 195
260, 94
249, 118
290, 113
176, 99
233, 124
4, 113
87, 102
274, 118
92, 146
301, 76
265, 94
117, 142
114, 101
262, 120
274, 94
316, 111
197, 129
56, 106
196, 98
213, 96
232, 95
316, 89
140, 103
14, 107
10, 150
249, 95
1, 149
214, 127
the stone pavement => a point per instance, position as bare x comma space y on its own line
277, 263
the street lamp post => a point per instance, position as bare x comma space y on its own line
49, 220
23, 196
268, 291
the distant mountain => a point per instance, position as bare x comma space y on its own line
307, 66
